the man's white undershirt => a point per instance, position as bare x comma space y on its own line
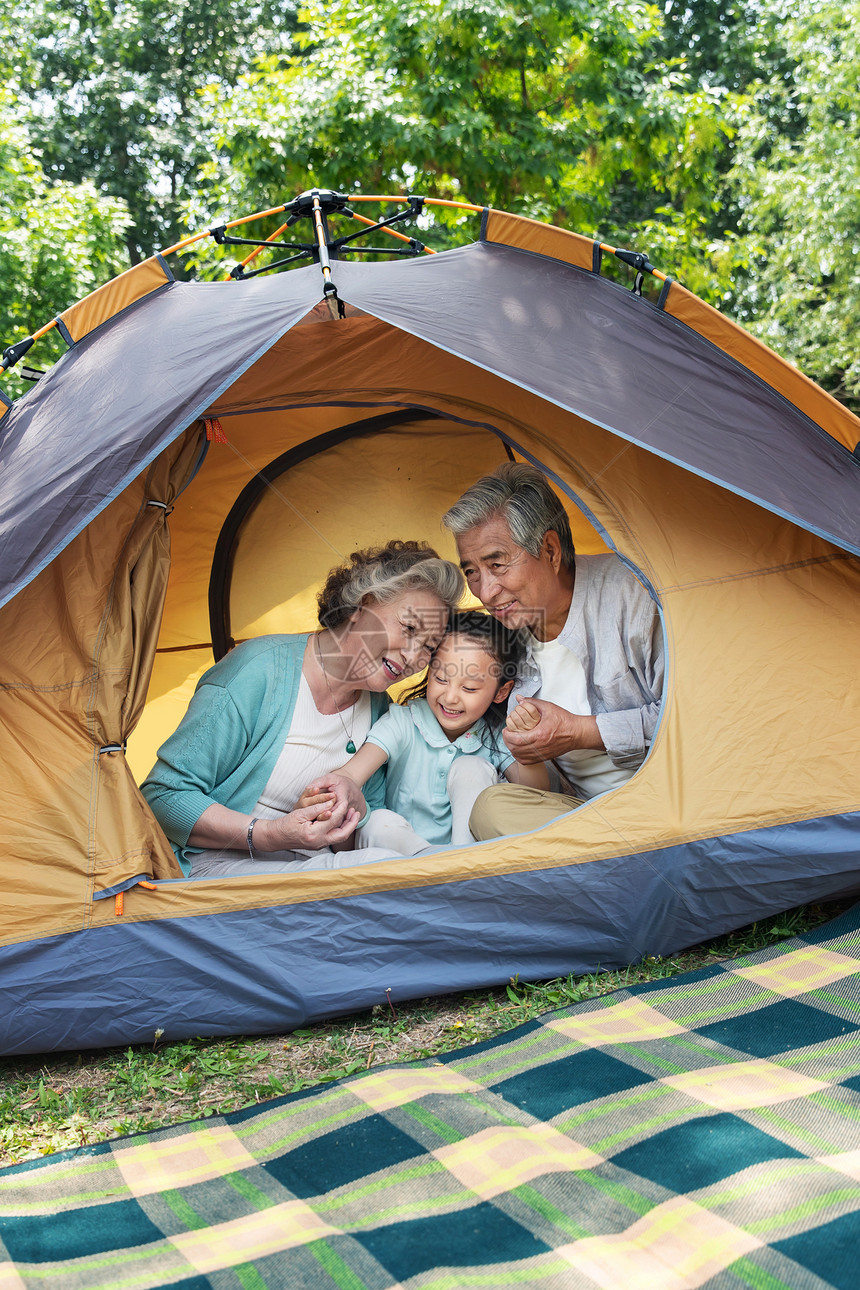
563, 683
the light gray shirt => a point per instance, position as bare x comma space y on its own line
614, 629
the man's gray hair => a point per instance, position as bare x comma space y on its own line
521, 496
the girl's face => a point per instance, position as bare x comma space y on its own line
387, 642
462, 682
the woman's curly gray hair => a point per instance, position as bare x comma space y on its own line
383, 573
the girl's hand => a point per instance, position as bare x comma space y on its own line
525, 716
316, 799
334, 787
308, 828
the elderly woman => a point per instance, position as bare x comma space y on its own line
280, 711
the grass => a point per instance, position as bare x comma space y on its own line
55, 1101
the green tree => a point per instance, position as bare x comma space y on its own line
113, 90
58, 241
720, 42
721, 138
800, 193
552, 108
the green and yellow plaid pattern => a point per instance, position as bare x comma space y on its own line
703, 1133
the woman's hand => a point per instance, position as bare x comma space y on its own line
307, 828
335, 788
330, 790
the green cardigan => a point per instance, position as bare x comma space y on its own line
226, 746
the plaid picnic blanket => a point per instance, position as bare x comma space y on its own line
699, 1133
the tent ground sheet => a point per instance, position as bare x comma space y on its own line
699, 1132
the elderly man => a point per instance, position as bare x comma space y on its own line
589, 696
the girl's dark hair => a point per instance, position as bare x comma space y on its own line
507, 647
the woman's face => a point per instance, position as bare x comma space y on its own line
387, 642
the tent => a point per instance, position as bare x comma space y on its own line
203, 452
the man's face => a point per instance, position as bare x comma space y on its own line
514, 586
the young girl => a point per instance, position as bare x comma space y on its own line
443, 743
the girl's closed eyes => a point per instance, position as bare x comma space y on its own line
464, 680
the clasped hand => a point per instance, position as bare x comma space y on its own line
307, 827
539, 731
330, 792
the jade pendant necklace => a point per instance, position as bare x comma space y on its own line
350, 743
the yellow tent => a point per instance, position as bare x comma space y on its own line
186, 474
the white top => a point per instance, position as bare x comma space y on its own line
315, 744
562, 681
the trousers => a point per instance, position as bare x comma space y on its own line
513, 808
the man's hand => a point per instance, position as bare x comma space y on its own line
557, 731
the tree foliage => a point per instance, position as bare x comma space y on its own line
58, 241
113, 92
720, 136
800, 190
718, 41
553, 108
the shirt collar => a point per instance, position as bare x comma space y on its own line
424, 719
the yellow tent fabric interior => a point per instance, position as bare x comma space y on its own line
761, 718
760, 615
